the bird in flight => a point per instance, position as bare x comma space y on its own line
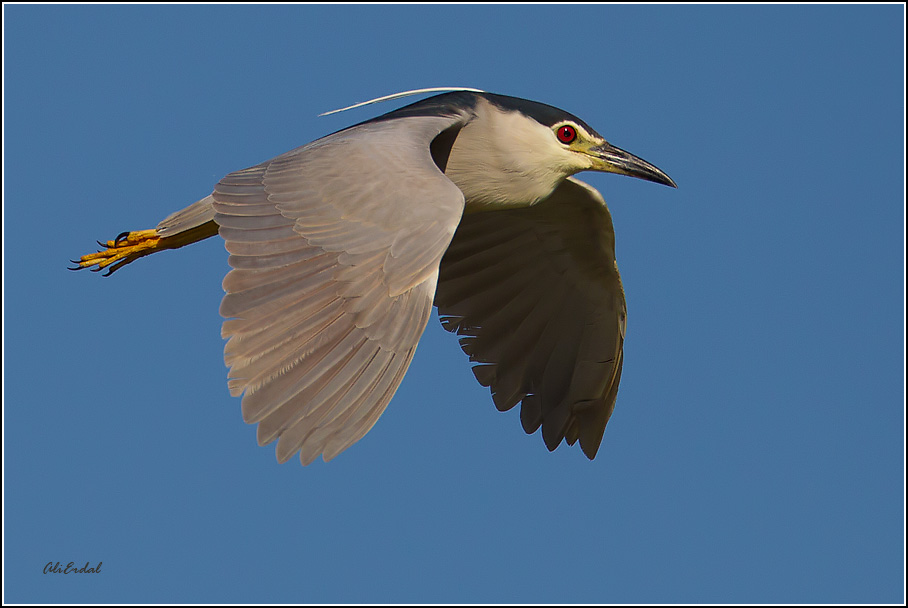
340, 248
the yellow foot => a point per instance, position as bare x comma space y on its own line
127, 247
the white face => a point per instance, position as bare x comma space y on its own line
506, 159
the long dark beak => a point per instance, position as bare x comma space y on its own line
612, 159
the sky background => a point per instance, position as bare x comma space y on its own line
756, 453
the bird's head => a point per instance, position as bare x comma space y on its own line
514, 151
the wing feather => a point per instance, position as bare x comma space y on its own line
536, 296
335, 249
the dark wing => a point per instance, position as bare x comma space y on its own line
536, 295
335, 249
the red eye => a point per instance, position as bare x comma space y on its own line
566, 134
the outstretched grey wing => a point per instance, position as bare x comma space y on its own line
535, 293
335, 249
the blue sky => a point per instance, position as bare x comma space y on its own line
756, 453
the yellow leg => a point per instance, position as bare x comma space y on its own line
130, 246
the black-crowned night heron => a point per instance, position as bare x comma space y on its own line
340, 248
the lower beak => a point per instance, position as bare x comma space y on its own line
611, 159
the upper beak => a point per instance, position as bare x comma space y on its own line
611, 159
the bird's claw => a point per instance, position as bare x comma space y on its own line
127, 247
124, 236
